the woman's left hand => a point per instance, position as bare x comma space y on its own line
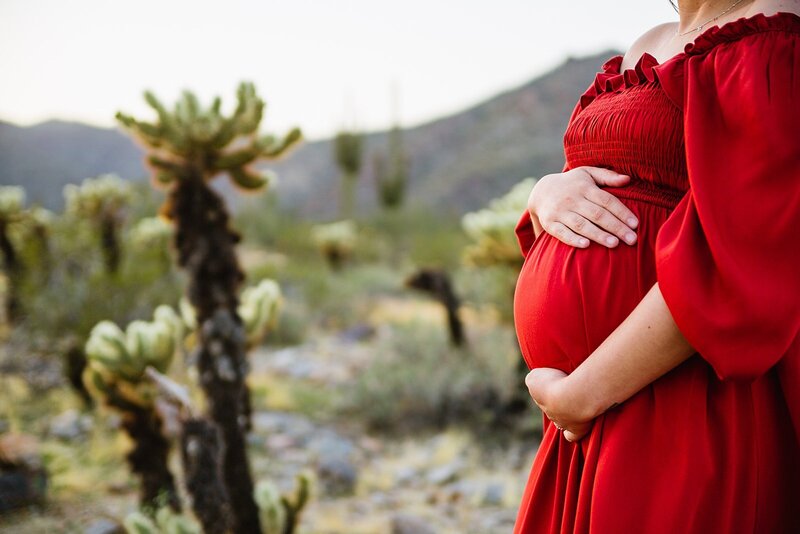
550, 390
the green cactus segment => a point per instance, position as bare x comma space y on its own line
492, 228
165, 522
151, 232
340, 235
12, 201
138, 523
336, 240
271, 509
259, 308
248, 180
280, 514
191, 140
117, 360
347, 149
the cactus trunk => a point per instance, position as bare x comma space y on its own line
200, 452
12, 269
205, 246
148, 459
110, 243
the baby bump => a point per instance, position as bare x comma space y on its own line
568, 300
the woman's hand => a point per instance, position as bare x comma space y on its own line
571, 207
550, 390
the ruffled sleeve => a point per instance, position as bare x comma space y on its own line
728, 257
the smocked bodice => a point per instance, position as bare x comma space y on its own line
627, 123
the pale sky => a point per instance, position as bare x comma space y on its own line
319, 64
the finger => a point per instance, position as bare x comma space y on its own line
612, 204
579, 224
565, 235
571, 436
612, 230
608, 177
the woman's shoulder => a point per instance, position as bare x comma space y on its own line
759, 17
649, 40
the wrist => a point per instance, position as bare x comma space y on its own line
587, 402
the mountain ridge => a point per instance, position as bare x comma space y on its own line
458, 161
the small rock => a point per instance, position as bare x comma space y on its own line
280, 442
494, 494
466, 489
358, 332
405, 475
70, 425
445, 473
104, 526
409, 524
338, 476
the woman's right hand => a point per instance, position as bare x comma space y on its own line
572, 208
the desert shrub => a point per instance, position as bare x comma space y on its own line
417, 379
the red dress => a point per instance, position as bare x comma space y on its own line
711, 139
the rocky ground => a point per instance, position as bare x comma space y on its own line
452, 480
447, 481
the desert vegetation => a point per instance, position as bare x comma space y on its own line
171, 364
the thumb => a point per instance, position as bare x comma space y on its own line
608, 177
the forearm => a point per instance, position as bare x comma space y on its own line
644, 347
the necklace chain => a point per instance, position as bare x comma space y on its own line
698, 28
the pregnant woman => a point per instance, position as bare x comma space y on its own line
667, 363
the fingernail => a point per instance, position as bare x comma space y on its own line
630, 237
583, 242
611, 240
632, 222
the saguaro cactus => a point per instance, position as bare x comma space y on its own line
101, 200
348, 154
188, 147
391, 176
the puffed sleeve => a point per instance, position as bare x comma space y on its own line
728, 257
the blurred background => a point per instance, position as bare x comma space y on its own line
274, 293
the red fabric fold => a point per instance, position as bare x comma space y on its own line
727, 258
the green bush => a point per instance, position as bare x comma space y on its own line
418, 379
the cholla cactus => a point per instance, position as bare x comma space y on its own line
117, 360
272, 511
173, 140
336, 240
12, 200
492, 228
165, 522
280, 514
187, 148
151, 232
115, 372
102, 201
259, 309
